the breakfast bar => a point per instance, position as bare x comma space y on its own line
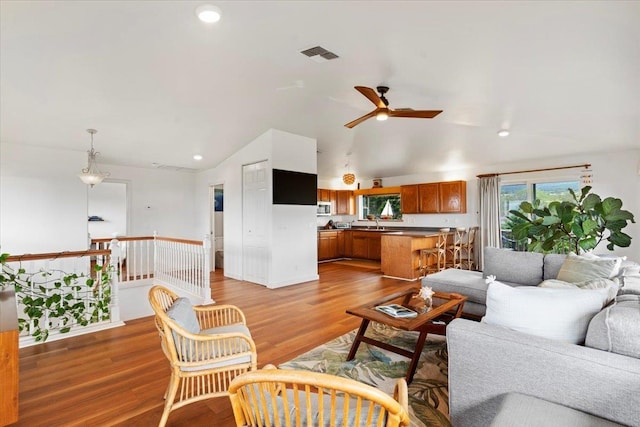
400, 252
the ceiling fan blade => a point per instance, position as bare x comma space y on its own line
418, 114
371, 96
362, 119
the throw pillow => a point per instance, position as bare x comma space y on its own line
519, 268
558, 314
578, 268
611, 285
182, 312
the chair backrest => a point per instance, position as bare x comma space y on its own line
161, 299
276, 397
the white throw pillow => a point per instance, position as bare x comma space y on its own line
612, 285
557, 314
579, 268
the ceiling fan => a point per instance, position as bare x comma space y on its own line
382, 111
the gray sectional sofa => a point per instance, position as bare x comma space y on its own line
509, 267
503, 377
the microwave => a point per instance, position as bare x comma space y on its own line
324, 209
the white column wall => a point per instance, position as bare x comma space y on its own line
292, 237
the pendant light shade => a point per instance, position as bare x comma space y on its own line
91, 175
348, 178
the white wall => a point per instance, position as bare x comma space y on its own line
44, 205
161, 200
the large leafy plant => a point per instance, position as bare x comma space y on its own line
577, 226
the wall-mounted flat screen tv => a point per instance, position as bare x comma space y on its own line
294, 188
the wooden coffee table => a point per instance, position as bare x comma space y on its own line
446, 307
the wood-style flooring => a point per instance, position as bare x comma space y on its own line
118, 377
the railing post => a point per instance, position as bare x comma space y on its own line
206, 273
114, 306
155, 254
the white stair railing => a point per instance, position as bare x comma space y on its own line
62, 294
184, 264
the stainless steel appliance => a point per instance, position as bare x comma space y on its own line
324, 209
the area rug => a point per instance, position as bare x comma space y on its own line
428, 392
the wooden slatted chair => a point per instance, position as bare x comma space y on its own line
273, 397
467, 249
207, 346
434, 259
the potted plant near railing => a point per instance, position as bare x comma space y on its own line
576, 226
61, 295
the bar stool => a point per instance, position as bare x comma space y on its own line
439, 252
454, 250
467, 249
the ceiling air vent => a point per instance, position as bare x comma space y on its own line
319, 54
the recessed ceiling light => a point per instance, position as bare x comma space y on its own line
503, 132
208, 13
197, 157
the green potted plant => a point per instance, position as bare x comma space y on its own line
572, 226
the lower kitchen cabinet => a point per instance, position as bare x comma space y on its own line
366, 244
328, 245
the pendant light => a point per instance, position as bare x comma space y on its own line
348, 178
91, 175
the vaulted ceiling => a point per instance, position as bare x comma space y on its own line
161, 86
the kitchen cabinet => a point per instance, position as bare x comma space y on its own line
434, 197
409, 199
328, 245
325, 195
453, 197
345, 202
347, 235
429, 199
366, 245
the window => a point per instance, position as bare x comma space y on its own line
512, 194
383, 206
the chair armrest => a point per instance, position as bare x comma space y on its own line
203, 349
214, 315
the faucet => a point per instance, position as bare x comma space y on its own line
377, 223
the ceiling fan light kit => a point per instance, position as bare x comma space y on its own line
91, 175
503, 133
383, 112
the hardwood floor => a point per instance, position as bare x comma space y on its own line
118, 377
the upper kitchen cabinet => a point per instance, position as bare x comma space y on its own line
434, 197
345, 202
453, 197
409, 199
428, 197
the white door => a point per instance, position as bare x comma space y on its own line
255, 220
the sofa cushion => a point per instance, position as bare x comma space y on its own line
528, 411
559, 314
578, 268
552, 265
465, 282
522, 268
615, 328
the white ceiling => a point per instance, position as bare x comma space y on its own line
161, 86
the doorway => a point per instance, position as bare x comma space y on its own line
216, 226
108, 210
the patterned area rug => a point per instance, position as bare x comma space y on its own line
428, 392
